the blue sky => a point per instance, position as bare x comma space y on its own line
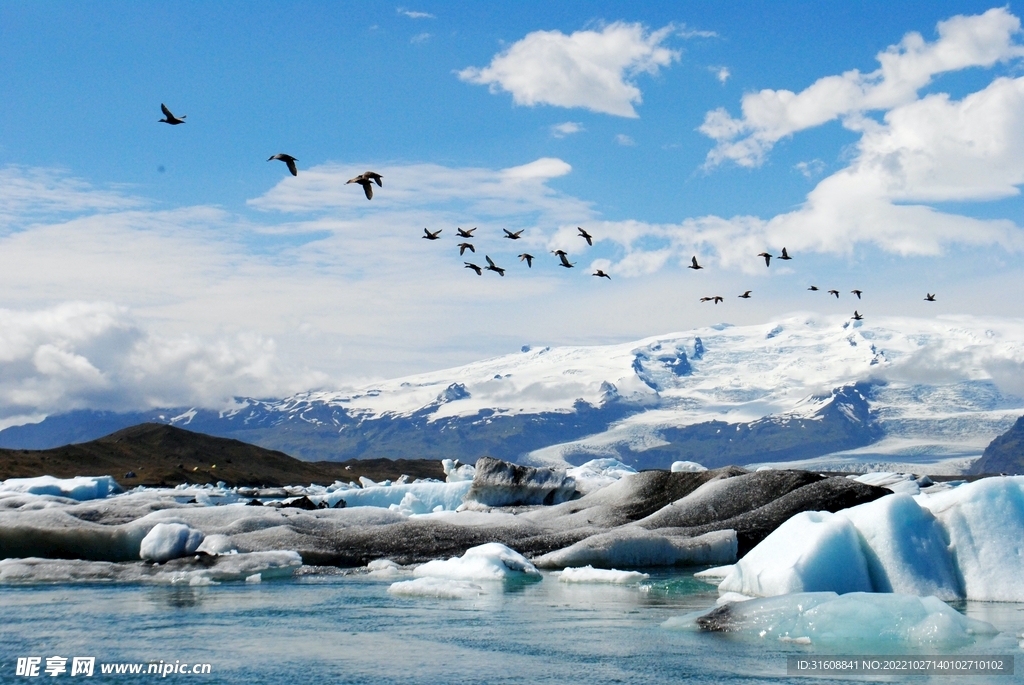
143, 264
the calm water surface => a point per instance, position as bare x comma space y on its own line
348, 629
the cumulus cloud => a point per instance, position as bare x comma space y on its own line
721, 73
770, 115
96, 355
566, 128
590, 69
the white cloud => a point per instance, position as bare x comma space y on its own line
33, 193
590, 69
420, 38
96, 355
566, 128
624, 140
810, 169
770, 115
721, 73
415, 15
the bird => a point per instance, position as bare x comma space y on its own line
694, 264
856, 316
559, 252
784, 255
474, 267
287, 159
586, 236
170, 118
929, 297
528, 258
745, 295
366, 180
491, 266
512, 236
601, 274
813, 287
465, 246
767, 258
427, 235
466, 232
715, 298
834, 292
565, 261
857, 293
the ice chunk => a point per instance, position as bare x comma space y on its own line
209, 570
491, 561
457, 474
442, 588
633, 546
810, 552
825, 618
169, 541
499, 483
79, 488
589, 574
254, 578
383, 567
905, 548
985, 524
597, 473
448, 496
687, 466
216, 544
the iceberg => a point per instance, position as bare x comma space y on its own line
491, 561
597, 473
81, 488
167, 541
499, 483
589, 574
441, 588
632, 546
858, 620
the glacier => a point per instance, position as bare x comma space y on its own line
803, 391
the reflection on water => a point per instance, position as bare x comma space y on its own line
341, 628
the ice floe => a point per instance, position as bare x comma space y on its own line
589, 574
855, 620
79, 488
491, 561
441, 588
966, 542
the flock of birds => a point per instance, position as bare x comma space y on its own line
368, 178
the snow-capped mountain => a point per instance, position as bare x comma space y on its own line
803, 388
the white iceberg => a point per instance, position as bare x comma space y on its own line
441, 588
491, 561
687, 467
81, 488
169, 541
597, 473
589, 574
427, 496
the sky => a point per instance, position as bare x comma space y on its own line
145, 265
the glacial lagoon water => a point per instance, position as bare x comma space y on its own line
344, 627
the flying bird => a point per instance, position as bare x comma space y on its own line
474, 267
856, 316
857, 293
813, 287
745, 295
559, 252
366, 180
716, 299
694, 264
601, 274
929, 297
586, 236
834, 292
512, 236
565, 262
491, 266
528, 258
465, 246
170, 118
427, 235
287, 159
767, 258
784, 255
466, 232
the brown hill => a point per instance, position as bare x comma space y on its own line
164, 455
